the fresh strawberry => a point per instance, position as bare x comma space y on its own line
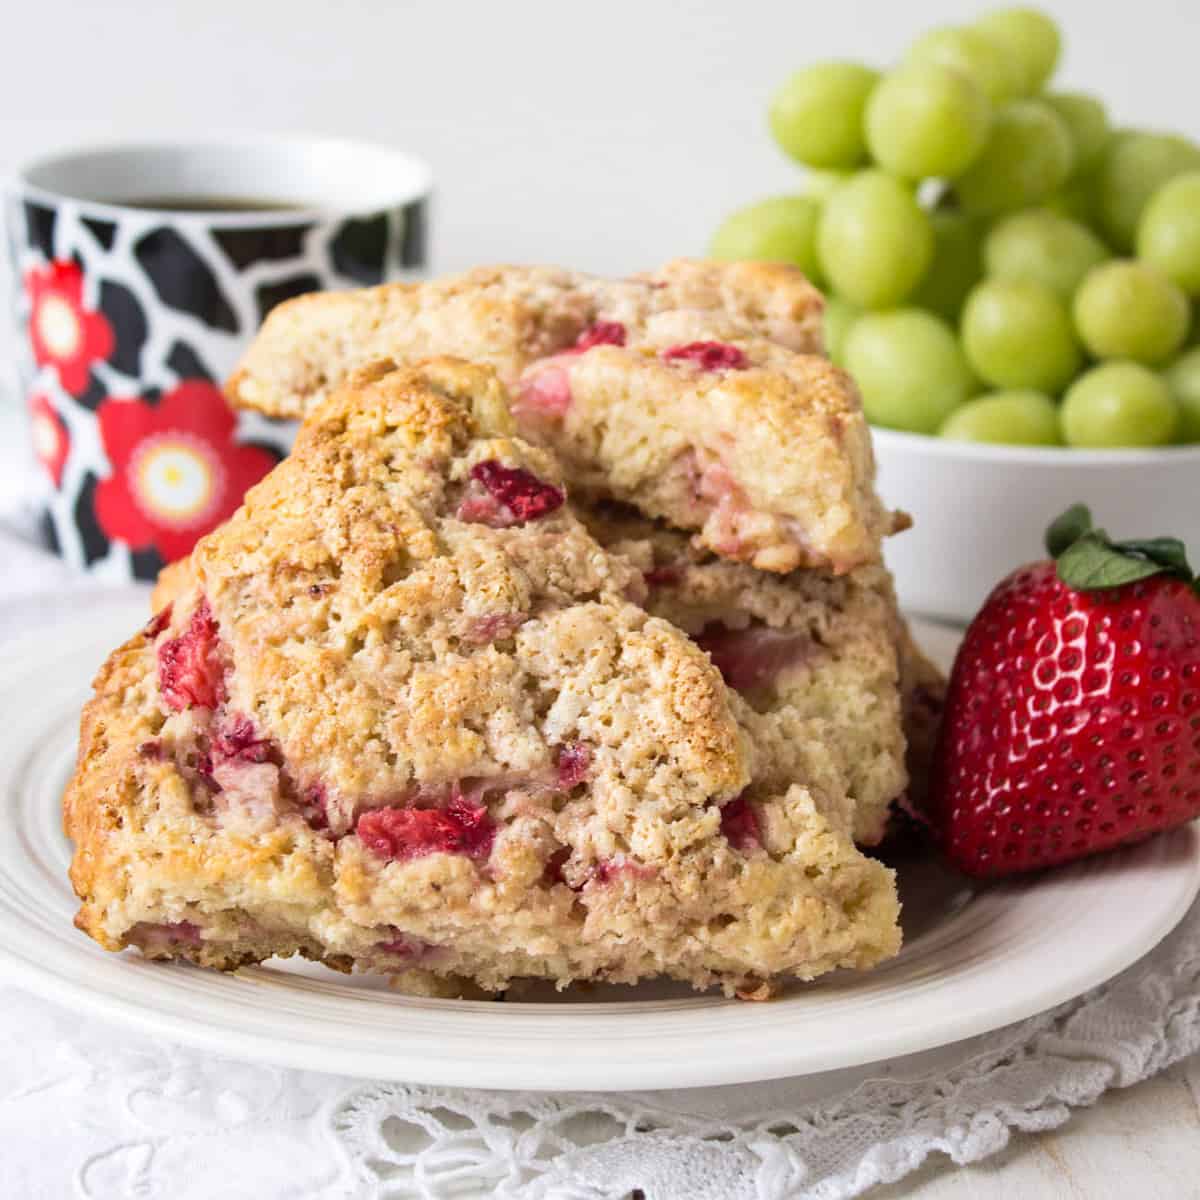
1072, 721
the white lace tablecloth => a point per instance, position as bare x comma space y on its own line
89, 1110
94, 1111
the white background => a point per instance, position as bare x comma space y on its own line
603, 134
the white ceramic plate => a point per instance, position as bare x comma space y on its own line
974, 959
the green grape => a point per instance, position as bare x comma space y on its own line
1018, 418
840, 316
873, 240
1076, 199
1133, 167
957, 264
1119, 404
1086, 120
1026, 159
781, 229
909, 367
1032, 42
820, 184
1169, 232
926, 119
1018, 334
1043, 247
1126, 309
1183, 378
817, 116
975, 54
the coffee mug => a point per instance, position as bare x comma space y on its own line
141, 273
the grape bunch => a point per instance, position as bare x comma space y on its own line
1000, 264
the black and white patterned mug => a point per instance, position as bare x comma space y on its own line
141, 273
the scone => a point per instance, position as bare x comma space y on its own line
765, 453
830, 687
922, 695
405, 715
507, 317
680, 392
812, 658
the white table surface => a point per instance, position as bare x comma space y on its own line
1142, 1143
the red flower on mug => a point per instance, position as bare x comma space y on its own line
176, 470
63, 332
50, 438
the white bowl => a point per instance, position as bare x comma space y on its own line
981, 510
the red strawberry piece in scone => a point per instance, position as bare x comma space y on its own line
235, 737
502, 496
574, 764
739, 824
405, 946
753, 657
163, 938
543, 395
189, 669
494, 627
602, 333
400, 834
611, 870
1072, 720
708, 356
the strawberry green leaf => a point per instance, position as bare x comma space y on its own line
1169, 553
1067, 529
1089, 560
1092, 563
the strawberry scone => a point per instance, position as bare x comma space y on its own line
680, 392
830, 685
765, 453
509, 316
922, 700
812, 659
402, 715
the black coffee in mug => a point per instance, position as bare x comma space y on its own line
205, 204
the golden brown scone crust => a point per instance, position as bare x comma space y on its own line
380, 648
508, 316
173, 580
